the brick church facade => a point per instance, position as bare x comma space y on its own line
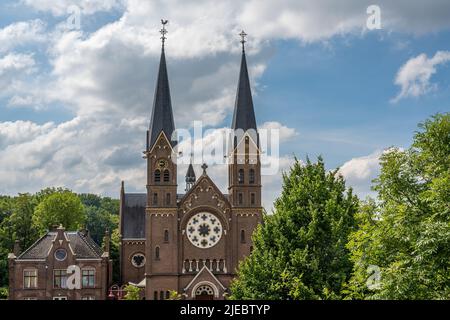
191, 243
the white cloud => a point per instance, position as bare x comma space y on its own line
285, 133
12, 133
415, 75
16, 62
60, 7
21, 33
359, 172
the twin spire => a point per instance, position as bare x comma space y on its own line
162, 114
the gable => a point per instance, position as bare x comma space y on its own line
204, 275
204, 193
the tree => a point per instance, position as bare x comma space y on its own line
406, 233
300, 251
133, 292
61, 207
101, 213
21, 220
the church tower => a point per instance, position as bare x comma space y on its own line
244, 167
161, 212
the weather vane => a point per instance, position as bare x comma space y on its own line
163, 31
243, 35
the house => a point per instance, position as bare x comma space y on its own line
61, 265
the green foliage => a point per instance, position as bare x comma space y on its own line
174, 295
3, 293
406, 233
63, 208
133, 292
300, 251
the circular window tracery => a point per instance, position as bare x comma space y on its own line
138, 260
204, 230
204, 290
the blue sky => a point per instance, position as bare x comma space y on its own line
75, 104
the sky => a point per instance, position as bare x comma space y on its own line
77, 80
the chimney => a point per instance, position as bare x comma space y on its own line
107, 241
16, 249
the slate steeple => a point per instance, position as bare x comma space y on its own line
190, 177
244, 114
162, 115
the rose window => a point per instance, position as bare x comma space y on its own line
204, 230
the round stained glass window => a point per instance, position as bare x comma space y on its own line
138, 260
204, 230
60, 254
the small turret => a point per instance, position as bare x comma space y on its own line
190, 177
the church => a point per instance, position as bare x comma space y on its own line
191, 243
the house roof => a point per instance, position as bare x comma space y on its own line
82, 245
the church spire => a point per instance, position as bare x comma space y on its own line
190, 177
162, 115
244, 114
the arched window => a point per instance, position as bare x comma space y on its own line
251, 176
157, 176
252, 198
155, 295
241, 176
167, 295
166, 175
166, 236
242, 236
240, 200
167, 199
155, 199
161, 295
156, 253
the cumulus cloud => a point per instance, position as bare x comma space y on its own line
61, 7
414, 77
16, 62
285, 133
21, 33
359, 172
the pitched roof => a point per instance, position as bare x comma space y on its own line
82, 245
133, 223
244, 114
162, 115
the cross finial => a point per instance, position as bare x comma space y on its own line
204, 167
243, 35
163, 31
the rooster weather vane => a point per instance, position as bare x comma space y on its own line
163, 31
